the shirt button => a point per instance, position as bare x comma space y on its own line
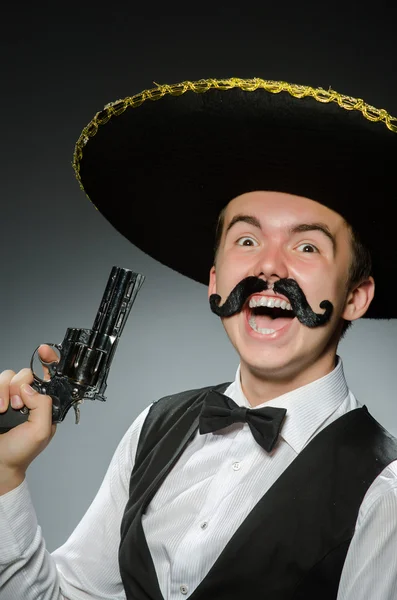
184, 589
236, 466
204, 525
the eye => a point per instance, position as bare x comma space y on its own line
247, 241
307, 248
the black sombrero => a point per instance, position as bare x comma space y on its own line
161, 165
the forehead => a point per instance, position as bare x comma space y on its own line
280, 210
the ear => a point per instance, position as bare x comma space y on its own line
359, 299
212, 282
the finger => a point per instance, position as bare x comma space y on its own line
5, 378
23, 376
48, 355
40, 407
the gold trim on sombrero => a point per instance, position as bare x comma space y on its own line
203, 85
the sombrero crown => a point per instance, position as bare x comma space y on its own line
161, 165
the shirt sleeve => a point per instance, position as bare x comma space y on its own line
86, 566
370, 568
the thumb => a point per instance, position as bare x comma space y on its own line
40, 406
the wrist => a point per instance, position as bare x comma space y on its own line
9, 480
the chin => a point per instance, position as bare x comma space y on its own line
280, 360
274, 368
302, 364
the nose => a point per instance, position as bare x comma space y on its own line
271, 263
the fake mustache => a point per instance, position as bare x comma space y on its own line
234, 303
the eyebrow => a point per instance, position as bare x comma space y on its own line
302, 227
315, 227
244, 219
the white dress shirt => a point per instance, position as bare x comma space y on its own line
214, 485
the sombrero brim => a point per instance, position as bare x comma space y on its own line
161, 171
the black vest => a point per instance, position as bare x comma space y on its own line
293, 543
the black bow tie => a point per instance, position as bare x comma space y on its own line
220, 411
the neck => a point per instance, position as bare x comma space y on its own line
260, 386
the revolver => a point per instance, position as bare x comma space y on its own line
85, 354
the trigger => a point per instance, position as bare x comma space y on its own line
76, 407
51, 366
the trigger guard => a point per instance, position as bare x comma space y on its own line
49, 365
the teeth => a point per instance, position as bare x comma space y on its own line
262, 330
270, 303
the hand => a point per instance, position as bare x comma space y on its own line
20, 446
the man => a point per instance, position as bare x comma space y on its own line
279, 484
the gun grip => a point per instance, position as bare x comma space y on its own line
11, 418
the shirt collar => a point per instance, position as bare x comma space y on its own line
308, 407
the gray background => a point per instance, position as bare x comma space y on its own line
57, 250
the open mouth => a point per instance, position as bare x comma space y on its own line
267, 315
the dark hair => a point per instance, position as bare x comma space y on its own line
360, 266
219, 230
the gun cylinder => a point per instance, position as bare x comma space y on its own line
83, 355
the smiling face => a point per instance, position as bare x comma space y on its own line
273, 236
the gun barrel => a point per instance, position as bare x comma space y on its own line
118, 298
